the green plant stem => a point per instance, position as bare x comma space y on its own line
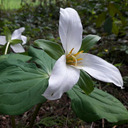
13, 121
6, 49
35, 114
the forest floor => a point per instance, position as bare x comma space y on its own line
58, 114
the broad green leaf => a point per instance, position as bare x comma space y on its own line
42, 59
15, 41
89, 41
100, 19
16, 56
51, 48
85, 82
22, 84
108, 25
97, 105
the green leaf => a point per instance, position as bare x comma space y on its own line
97, 105
16, 57
42, 59
15, 41
22, 84
51, 48
108, 25
7, 33
85, 82
115, 28
100, 19
89, 41
112, 9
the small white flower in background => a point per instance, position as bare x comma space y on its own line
15, 35
66, 71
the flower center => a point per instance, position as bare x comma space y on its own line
72, 59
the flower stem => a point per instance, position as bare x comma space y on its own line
6, 49
13, 121
35, 114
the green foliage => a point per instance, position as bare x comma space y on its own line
13, 56
124, 48
51, 48
111, 19
125, 81
7, 33
15, 41
115, 28
100, 19
85, 82
108, 25
43, 60
88, 42
15, 4
61, 121
49, 121
42, 22
97, 105
21, 84
38, 19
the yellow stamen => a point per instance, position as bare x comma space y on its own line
75, 60
71, 51
72, 59
78, 53
79, 59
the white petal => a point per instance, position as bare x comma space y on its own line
24, 39
101, 69
2, 40
17, 33
62, 79
17, 48
70, 30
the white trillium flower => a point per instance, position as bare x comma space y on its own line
17, 48
66, 71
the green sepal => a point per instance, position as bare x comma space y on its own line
97, 105
88, 42
52, 49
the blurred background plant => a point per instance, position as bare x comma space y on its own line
106, 18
